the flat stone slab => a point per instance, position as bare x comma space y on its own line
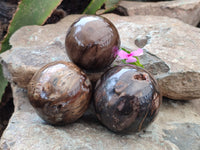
176, 127
171, 51
186, 10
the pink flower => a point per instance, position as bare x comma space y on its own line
129, 57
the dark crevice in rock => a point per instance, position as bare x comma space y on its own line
67, 7
6, 108
172, 103
74, 6
56, 16
198, 26
121, 11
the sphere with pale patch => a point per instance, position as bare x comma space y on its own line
92, 42
126, 98
60, 92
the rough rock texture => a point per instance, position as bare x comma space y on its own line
176, 127
186, 10
171, 51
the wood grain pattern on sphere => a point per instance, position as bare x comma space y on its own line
92, 42
127, 98
59, 92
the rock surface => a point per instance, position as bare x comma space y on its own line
176, 127
186, 10
171, 51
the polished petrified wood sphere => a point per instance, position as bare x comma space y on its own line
92, 42
59, 92
127, 98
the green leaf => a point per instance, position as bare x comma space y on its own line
3, 83
29, 12
5, 44
126, 50
111, 5
93, 6
124, 61
137, 63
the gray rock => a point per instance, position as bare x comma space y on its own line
176, 127
171, 51
188, 10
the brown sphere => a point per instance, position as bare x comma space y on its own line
59, 92
127, 98
92, 42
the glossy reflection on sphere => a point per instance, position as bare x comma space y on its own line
92, 42
127, 98
59, 92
